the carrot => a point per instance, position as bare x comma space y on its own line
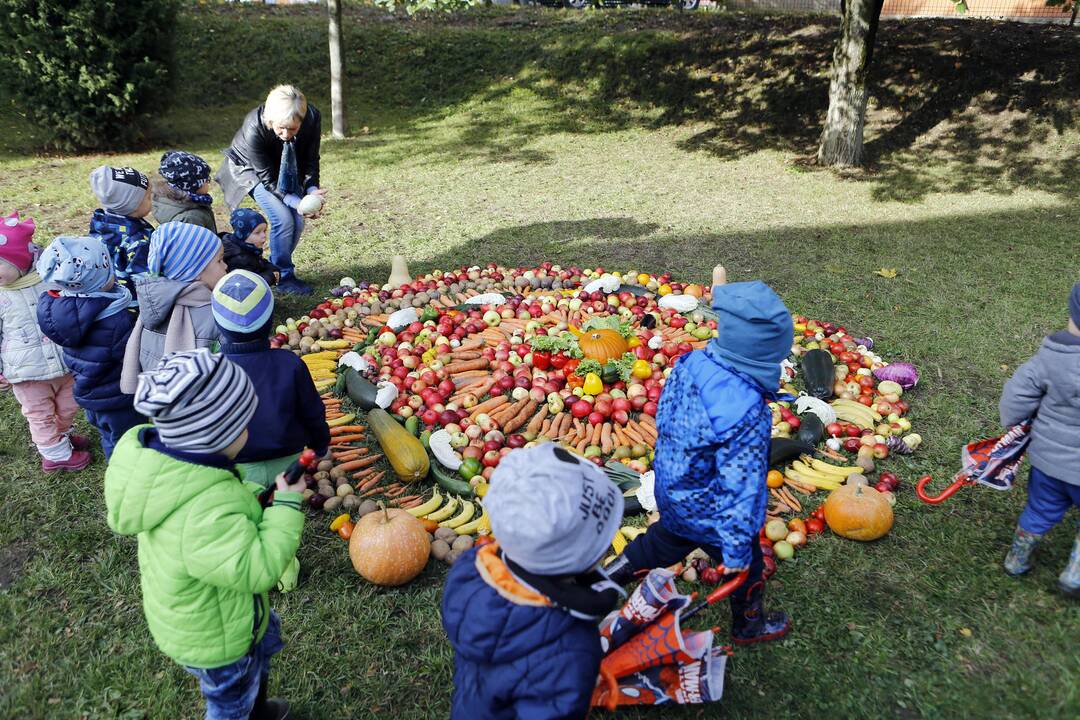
594, 439
606, 445
470, 345
460, 355
357, 464
346, 429
508, 412
351, 455
402, 501
522, 416
537, 420
342, 439
565, 425
456, 367
411, 504
369, 482
488, 405
570, 438
334, 415
582, 445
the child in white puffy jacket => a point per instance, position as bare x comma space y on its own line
31, 362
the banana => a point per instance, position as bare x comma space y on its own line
631, 532
447, 510
806, 471
467, 511
860, 407
618, 543
472, 526
798, 477
428, 507
859, 415
824, 467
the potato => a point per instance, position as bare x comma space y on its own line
322, 474
350, 502
308, 492
439, 549
331, 504
327, 490
462, 543
344, 489
446, 534
452, 557
325, 466
367, 506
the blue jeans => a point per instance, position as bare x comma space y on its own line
1048, 501
286, 225
112, 424
231, 690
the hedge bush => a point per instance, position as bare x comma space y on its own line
87, 71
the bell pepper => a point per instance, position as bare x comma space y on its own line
558, 361
574, 381
593, 385
641, 369
541, 360
342, 525
429, 313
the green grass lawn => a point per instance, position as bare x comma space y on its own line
660, 142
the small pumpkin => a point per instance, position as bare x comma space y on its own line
858, 512
389, 547
602, 345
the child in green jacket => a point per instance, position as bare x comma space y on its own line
208, 550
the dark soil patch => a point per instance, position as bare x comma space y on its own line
12, 560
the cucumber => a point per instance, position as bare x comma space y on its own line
449, 481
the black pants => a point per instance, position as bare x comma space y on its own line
659, 547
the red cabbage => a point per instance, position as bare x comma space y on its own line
903, 373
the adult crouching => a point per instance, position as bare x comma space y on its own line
274, 157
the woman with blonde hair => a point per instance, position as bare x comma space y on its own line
274, 158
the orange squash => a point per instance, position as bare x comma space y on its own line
858, 512
602, 345
389, 547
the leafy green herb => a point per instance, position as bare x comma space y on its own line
608, 322
588, 366
564, 342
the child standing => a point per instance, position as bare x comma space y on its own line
1047, 389
89, 317
713, 448
175, 310
522, 614
244, 245
124, 194
291, 415
29, 360
184, 196
208, 551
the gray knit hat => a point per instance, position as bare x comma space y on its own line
199, 402
119, 190
552, 512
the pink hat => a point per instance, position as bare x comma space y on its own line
16, 241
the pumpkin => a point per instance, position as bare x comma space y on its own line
406, 454
602, 345
858, 512
389, 547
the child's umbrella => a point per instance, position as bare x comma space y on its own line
650, 660
992, 462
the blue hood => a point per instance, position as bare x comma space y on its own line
755, 330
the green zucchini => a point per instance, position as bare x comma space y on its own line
360, 390
811, 429
818, 374
450, 481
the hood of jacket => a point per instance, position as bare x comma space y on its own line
67, 320
157, 298
143, 486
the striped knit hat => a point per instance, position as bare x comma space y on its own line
242, 302
198, 401
180, 251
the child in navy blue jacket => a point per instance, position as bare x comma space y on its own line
124, 194
712, 451
90, 319
244, 245
522, 613
291, 415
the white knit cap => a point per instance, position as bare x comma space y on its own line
552, 512
198, 401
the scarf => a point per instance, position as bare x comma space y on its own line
288, 176
28, 280
179, 335
121, 299
200, 198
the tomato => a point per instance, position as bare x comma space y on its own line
558, 361
308, 458
815, 526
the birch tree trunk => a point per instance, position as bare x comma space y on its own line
842, 137
337, 69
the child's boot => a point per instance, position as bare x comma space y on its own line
1018, 561
1069, 580
749, 621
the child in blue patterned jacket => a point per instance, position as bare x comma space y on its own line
712, 453
124, 194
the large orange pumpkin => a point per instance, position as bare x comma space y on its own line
602, 345
389, 547
858, 512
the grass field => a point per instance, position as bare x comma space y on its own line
657, 141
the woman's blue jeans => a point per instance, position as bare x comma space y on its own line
286, 225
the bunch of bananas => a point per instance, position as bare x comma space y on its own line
856, 413
451, 512
818, 473
322, 366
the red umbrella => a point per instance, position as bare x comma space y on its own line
992, 462
650, 659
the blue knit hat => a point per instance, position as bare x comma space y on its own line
244, 221
242, 302
755, 330
77, 264
180, 251
1074, 304
184, 171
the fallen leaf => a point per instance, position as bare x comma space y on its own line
966, 632
886, 272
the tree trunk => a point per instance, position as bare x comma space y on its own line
337, 69
842, 136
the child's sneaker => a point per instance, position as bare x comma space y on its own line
1018, 561
79, 460
1069, 580
79, 442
